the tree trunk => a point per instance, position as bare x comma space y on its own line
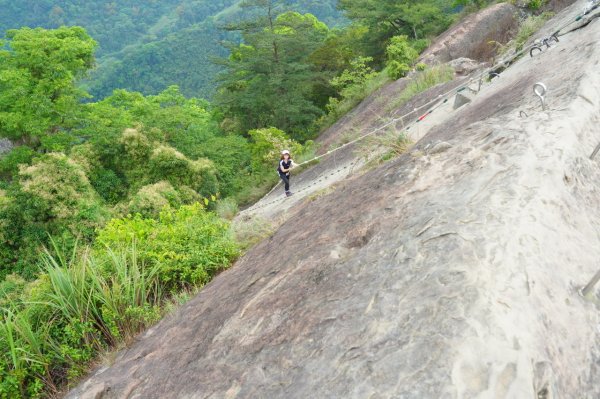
272, 26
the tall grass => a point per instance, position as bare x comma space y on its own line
227, 208
353, 96
115, 294
250, 232
85, 304
23, 353
383, 147
528, 27
420, 82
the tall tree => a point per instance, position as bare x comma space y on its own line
270, 79
38, 96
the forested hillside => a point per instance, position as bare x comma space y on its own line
147, 46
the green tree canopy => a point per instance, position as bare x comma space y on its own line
387, 18
38, 96
270, 79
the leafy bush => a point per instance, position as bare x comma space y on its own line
189, 245
535, 4
37, 94
420, 45
9, 163
136, 145
267, 145
397, 70
358, 73
401, 56
52, 196
60, 196
168, 163
421, 66
110, 186
350, 96
232, 160
152, 199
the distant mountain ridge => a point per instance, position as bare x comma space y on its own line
147, 45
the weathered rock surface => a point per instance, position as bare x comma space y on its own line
451, 272
5, 146
472, 37
464, 66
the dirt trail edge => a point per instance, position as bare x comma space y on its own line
451, 272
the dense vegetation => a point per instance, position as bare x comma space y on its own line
112, 210
105, 207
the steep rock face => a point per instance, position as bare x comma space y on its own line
451, 272
471, 38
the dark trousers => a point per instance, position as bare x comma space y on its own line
286, 180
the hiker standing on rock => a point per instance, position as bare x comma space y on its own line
285, 164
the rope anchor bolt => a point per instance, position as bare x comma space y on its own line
540, 90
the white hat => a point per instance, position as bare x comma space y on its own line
285, 152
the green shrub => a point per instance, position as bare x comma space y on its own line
53, 196
535, 4
136, 145
401, 56
188, 195
110, 186
421, 67
83, 303
88, 300
85, 156
169, 164
57, 142
232, 160
152, 199
190, 245
358, 73
55, 192
203, 177
9, 163
420, 45
267, 145
397, 70
350, 97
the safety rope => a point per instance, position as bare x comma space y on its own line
592, 5
441, 99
